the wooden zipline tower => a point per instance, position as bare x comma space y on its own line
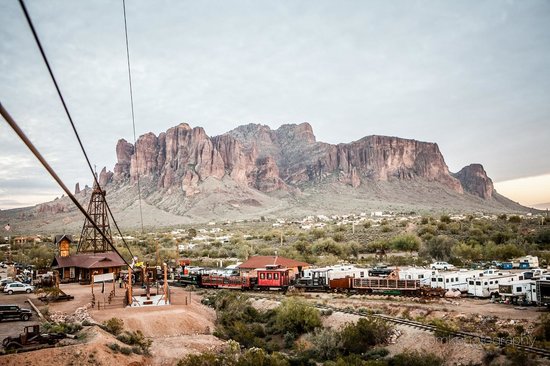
91, 241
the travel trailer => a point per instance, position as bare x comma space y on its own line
488, 286
455, 280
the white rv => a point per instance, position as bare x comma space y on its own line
487, 286
517, 291
418, 274
455, 280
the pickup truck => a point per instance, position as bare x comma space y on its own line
379, 271
14, 312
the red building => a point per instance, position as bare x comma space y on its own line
255, 263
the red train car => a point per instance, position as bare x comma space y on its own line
273, 277
229, 282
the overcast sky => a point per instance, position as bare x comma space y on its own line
473, 76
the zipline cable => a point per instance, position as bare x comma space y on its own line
132, 106
54, 175
45, 58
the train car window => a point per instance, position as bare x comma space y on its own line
478, 283
518, 289
434, 279
275, 276
269, 276
262, 276
362, 274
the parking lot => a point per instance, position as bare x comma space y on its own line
12, 326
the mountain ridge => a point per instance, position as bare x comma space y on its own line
253, 170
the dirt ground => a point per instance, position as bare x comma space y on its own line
176, 330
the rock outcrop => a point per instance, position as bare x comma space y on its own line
474, 179
268, 160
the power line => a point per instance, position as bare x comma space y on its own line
45, 58
54, 175
132, 106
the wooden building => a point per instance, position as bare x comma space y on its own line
80, 267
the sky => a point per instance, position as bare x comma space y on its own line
473, 76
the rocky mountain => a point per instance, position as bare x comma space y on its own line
187, 176
287, 159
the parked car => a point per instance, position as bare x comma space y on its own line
6, 281
18, 287
442, 265
14, 312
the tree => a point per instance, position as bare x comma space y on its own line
406, 242
440, 247
467, 252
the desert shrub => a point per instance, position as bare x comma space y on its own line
135, 338
114, 325
326, 342
126, 350
318, 233
444, 330
440, 247
366, 333
489, 354
415, 358
542, 331
407, 243
68, 328
514, 219
467, 252
250, 357
296, 316
517, 357
386, 228
114, 346
338, 237
445, 218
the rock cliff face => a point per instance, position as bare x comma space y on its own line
474, 179
287, 158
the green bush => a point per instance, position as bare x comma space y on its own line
406, 242
114, 325
366, 333
135, 338
68, 328
296, 316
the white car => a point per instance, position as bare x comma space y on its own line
18, 287
442, 265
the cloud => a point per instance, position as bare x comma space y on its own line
474, 79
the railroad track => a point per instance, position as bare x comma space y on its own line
429, 328
450, 334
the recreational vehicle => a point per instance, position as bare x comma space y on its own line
488, 286
456, 280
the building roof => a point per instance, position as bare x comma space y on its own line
89, 260
260, 261
58, 238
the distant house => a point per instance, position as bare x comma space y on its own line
261, 261
80, 267
63, 244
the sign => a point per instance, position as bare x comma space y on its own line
104, 277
